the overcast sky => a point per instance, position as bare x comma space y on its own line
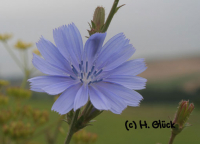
156, 28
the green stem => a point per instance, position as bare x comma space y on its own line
26, 59
110, 16
26, 70
26, 76
57, 131
32, 69
172, 138
71, 128
13, 56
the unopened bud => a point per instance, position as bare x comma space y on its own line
182, 115
99, 18
98, 21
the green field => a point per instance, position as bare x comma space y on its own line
110, 127
160, 103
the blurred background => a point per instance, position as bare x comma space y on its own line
165, 33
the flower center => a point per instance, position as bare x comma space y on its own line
84, 75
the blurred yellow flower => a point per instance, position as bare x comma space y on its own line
84, 137
3, 83
3, 100
36, 51
5, 37
18, 130
22, 45
18, 93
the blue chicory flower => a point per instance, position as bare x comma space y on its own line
99, 73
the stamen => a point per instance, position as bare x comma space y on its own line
96, 81
89, 83
81, 80
99, 80
92, 69
98, 73
88, 75
86, 66
72, 77
81, 75
80, 67
74, 70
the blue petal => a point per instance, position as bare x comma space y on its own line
65, 102
112, 40
116, 52
98, 100
52, 55
131, 82
116, 102
37, 83
131, 97
36, 89
132, 67
47, 80
69, 43
119, 58
81, 97
47, 68
92, 47
110, 47
58, 88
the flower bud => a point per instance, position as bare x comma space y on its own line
99, 18
182, 115
98, 21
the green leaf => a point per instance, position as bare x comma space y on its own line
119, 8
92, 121
102, 27
187, 125
90, 25
93, 24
